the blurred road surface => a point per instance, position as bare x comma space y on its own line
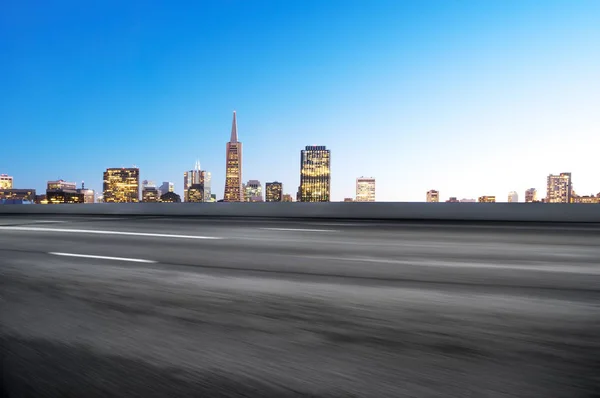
177, 307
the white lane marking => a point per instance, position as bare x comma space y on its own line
47, 221
575, 269
135, 260
300, 229
96, 231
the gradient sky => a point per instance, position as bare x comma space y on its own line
468, 97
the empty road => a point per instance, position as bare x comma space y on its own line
178, 307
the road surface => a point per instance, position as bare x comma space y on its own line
177, 307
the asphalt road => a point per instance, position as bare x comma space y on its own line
176, 307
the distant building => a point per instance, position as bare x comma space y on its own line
513, 197
273, 191
6, 181
315, 174
433, 196
27, 195
348, 200
233, 167
559, 188
531, 195
253, 191
62, 192
591, 199
453, 199
121, 185
170, 197
213, 197
365, 189
487, 199
468, 200
41, 200
287, 198
89, 195
197, 177
195, 193
150, 194
166, 187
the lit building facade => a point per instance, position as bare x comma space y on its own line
121, 185
433, 196
453, 199
591, 199
365, 189
195, 193
150, 194
18, 194
6, 181
61, 192
170, 197
273, 191
487, 199
315, 174
253, 191
559, 188
513, 197
233, 167
287, 198
531, 195
198, 178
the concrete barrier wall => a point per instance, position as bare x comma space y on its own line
525, 212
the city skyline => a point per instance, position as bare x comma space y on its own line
443, 90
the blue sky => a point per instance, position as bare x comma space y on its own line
468, 97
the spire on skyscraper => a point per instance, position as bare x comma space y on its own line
234, 136
197, 166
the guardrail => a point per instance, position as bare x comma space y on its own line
521, 212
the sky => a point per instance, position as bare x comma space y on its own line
466, 97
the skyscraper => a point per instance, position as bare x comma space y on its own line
531, 195
559, 188
433, 196
274, 191
513, 197
121, 185
233, 167
315, 174
190, 178
365, 189
6, 181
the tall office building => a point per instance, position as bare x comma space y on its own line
6, 181
559, 188
253, 191
274, 191
365, 189
531, 195
433, 196
166, 187
315, 174
121, 185
201, 181
513, 197
233, 167
487, 199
